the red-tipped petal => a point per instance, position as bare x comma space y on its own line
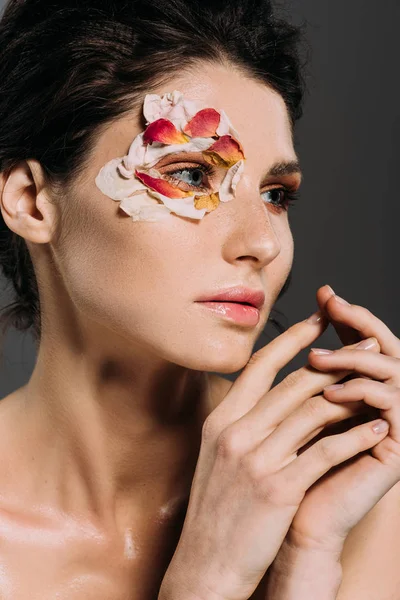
161, 186
204, 123
226, 151
164, 131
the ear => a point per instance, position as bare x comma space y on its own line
24, 202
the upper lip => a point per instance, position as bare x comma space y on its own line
237, 294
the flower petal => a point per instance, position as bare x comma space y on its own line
165, 132
209, 202
162, 186
144, 208
156, 151
228, 185
136, 156
113, 185
225, 152
203, 124
225, 126
183, 207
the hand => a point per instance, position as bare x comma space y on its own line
249, 481
340, 499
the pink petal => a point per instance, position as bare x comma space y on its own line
165, 132
203, 124
161, 186
226, 151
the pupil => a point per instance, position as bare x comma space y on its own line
277, 195
199, 173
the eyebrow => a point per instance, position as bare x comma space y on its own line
280, 169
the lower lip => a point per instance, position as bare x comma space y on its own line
240, 313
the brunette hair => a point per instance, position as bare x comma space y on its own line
69, 67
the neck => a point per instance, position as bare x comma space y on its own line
109, 434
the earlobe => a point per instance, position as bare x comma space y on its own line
24, 204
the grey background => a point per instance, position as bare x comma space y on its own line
345, 225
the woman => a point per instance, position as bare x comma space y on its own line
147, 164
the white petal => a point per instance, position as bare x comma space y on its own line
136, 153
110, 182
144, 208
191, 108
225, 126
152, 107
228, 185
183, 207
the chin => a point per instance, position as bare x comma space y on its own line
223, 358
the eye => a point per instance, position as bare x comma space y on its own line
281, 198
191, 176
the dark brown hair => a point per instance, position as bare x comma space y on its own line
69, 67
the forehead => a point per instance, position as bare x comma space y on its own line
257, 112
255, 109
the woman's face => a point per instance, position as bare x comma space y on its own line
140, 280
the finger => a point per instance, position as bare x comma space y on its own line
262, 368
277, 404
301, 426
328, 452
365, 322
347, 334
375, 365
374, 393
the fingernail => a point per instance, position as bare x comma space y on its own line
315, 318
367, 344
341, 300
335, 386
321, 351
380, 427
331, 290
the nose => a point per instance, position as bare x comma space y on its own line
253, 233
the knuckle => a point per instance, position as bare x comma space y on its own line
267, 487
229, 443
209, 429
270, 489
254, 469
257, 356
277, 491
293, 378
325, 451
388, 452
316, 406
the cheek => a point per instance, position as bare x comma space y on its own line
124, 273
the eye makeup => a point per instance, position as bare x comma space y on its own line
175, 124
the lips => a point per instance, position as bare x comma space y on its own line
238, 295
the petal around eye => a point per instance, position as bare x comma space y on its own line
136, 153
152, 107
154, 152
228, 185
183, 207
203, 124
162, 186
143, 207
226, 151
210, 202
110, 182
163, 131
225, 126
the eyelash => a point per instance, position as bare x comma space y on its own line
291, 196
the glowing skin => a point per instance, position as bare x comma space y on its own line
102, 442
